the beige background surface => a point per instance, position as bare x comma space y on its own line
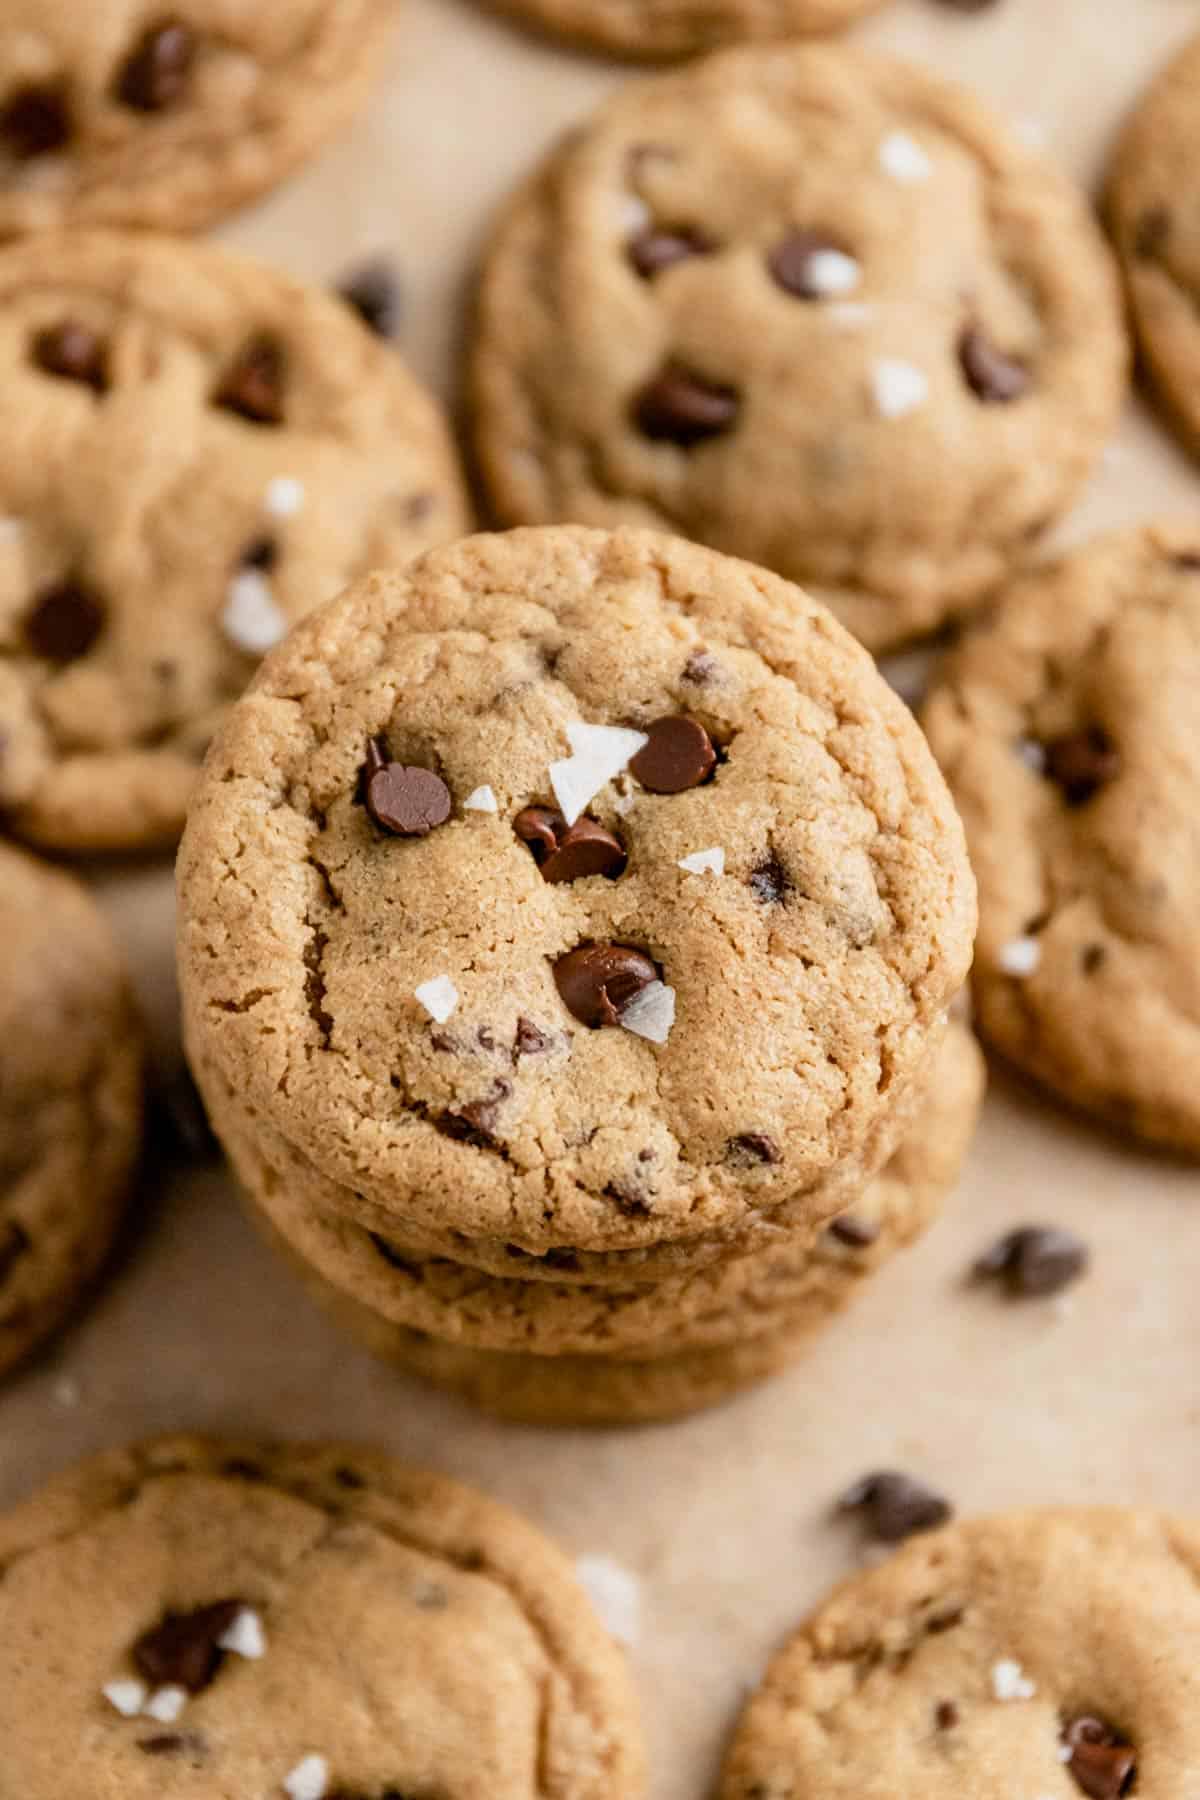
724, 1519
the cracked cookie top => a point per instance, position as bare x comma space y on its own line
1067, 729
201, 449
131, 112
451, 1011
315, 1623
1154, 209
810, 306
1043, 1653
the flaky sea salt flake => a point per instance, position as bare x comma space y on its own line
245, 1637
481, 799
651, 1014
1020, 957
704, 862
165, 1705
439, 997
1010, 1682
128, 1697
308, 1780
901, 157
898, 387
251, 619
599, 753
285, 497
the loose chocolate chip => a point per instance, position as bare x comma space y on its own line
678, 406
751, 1149
569, 852
64, 622
530, 1040
158, 69
895, 1506
1034, 1260
679, 755
946, 1716
261, 553
654, 250
183, 1651
1081, 763
373, 290
1102, 1764
992, 376
1151, 233
14, 1242
404, 800
35, 121
253, 384
769, 880
855, 1234
791, 265
598, 981
73, 352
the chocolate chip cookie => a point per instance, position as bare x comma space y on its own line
1153, 207
1037, 1653
119, 112
703, 1031
647, 1353
70, 1098
201, 449
315, 1623
1067, 728
666, 28
811, 306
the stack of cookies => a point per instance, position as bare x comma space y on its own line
568, 929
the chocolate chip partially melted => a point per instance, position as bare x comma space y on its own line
752, 1149
183, 1650
598, 981
678, 754
769, 880
895, 1506
792, 267
73, 352
373, 290
991, 374
656, 249
681, 406
253, 384
1034, 1260
35, 121
403, 799
158, 71
1082, 762
569, 852
1101, 1763
64, 622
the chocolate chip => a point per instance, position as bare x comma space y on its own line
14, 1242
946, 1715
35, 121
769, 880
175, 1743
261, 553
598, 981
1082, 762
992, 376
855, 1234
1092, 957
240, 1468
1188, 560
1034, 1260
373, 290
700, 668
530, 1040
751, 1149
480, 1115
180, 1121
569, 852
183, 1651
1102, 1764
791, 263
404, 800
654, 250
64, 622
679, 755
252, 386
895, 1506
73, 352
678, 406
1151, 233
158, 70
346, 1477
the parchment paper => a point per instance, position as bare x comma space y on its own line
724, 1520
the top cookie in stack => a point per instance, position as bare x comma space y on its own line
573, 891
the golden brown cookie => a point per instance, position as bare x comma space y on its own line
1067, 728
1154, 211
442, 1013
650, 29
122, 112
810, 306
300, 1623
70, 1098
200, 450
1034, 1654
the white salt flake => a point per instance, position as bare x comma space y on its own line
633, 213
1019, 957
284, 497
1032, 754
439, 997
1010, 1682
10, 530
704, 862
615, 1594
128, 1697
481, 799
599, 753
165, 1705
308, 1780
849, 314
898, 387
251, 619
245, 1637
1065, 1753
901, 157
832, 272
623, 804
651, 1013
1032, 131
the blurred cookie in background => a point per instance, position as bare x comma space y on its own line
654, 29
